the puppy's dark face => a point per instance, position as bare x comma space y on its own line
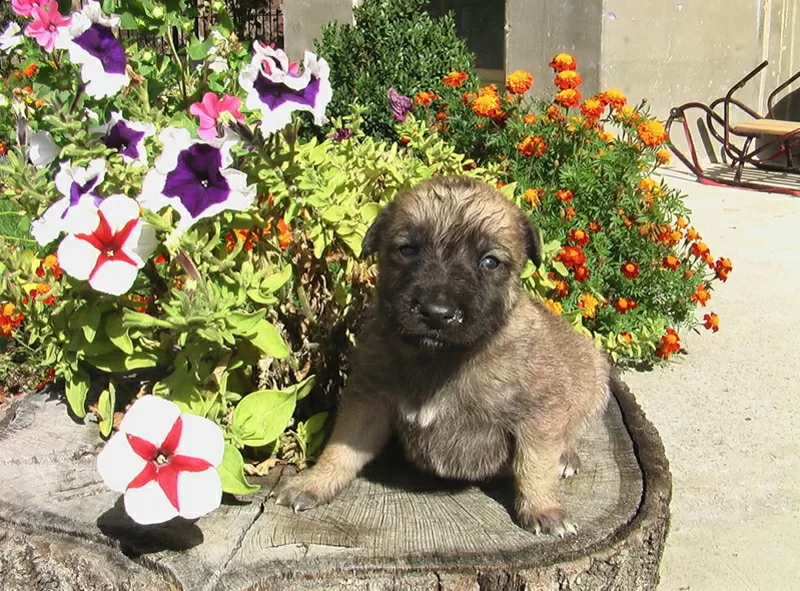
450, 254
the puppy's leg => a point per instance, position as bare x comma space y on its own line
537, 472
361, 430
570, 463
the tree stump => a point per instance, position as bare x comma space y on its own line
393, 528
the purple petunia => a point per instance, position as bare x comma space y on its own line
399, 104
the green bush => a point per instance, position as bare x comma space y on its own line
394, 43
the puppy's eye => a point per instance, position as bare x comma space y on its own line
408, 251
489, 263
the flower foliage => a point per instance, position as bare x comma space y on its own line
626, 265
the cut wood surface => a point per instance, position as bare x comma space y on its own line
393, 528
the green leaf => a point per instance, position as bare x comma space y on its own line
303, 388
369, 211
105, 408
77, 388
316, 423
118, 361
117, 333
198, 50
262, 416
269, 340
559, 268
274, 282
128, 21
231, 473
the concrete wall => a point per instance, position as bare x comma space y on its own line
303, 20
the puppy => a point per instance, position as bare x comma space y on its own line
476, 377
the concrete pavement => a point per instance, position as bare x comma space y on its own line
729, 412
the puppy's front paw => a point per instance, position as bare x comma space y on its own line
301, 493
549, 522
569, 464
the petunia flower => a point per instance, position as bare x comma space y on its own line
91, 42
107, 244
42, 149
399, 104
25, 7
164, 462
341, 134
277, 87
193, 177
10, 37
47, 25
212, 110
127, 137
79, 187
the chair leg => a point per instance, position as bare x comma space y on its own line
789, 161
740, 166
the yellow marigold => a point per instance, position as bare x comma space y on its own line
487, 105
491, 89
529, 119
568, 98
592, 108
7, 309
568, 79
652, 133
454, 79
519, 82
587, 303
532, 145
533, 196
425, 98
614, 98
606, 136
628, 115
563, 61
555, 307
554, 112
649, 185
663, 157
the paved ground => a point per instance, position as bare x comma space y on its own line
729, 412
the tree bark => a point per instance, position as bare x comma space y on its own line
392, 529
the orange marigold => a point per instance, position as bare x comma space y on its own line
529, 119
532, 145
587, 303
592, 108
722, 268
569, 213
563, 61
594, 226
425, 98
561, 287
571, 256
699, 249
519, 82
670, 343
701, 295
671, 262
626, 337
628, 115
582, 273
579, 237
649, 185
711, 322
568, 79
681, 222
30, 70
555, 113
630, 270
691, 234
623, 305
606, 136
284, 234
568, 98
487, 105
455, 79
614, 98
652, 133
564, 195
663, 157
555, 307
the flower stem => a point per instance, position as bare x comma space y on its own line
78, 94
174, 50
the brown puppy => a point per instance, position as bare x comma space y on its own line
473, 374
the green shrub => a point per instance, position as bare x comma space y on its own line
625, 259
394, 43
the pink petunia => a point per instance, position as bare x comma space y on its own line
46, 24
24, 7
211, 109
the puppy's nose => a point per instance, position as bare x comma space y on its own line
438, 314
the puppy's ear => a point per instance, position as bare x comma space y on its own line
372, 239
533, 246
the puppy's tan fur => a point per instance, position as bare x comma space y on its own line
519, 397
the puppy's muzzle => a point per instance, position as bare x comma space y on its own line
439, 314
